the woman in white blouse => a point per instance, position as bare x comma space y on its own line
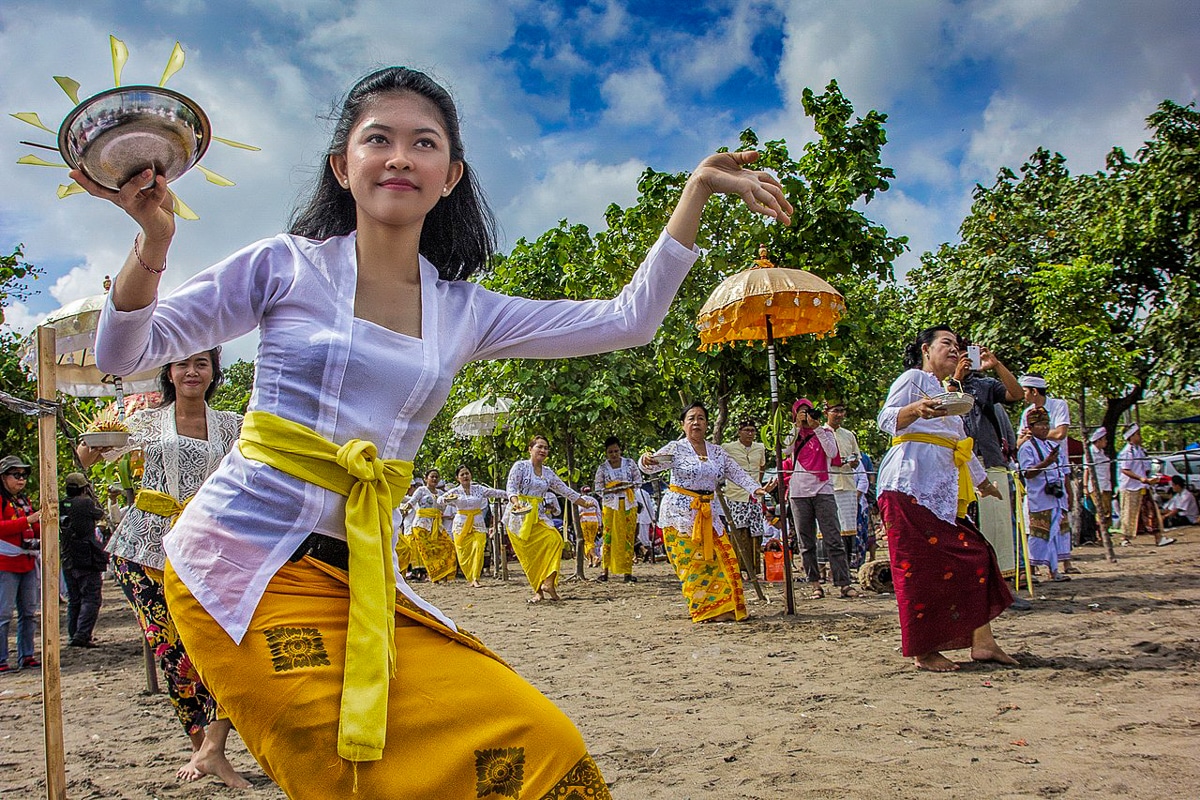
616, 479
470, 537
182, 441
434, 547
948, 585
694, 536
537, 543
365, 316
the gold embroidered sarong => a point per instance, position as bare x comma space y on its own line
435, 548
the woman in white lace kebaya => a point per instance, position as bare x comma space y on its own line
470, 536
537, 543
435, 549
182, 442
695, 538
948, 585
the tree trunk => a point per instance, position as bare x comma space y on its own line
719, 423
1117, 406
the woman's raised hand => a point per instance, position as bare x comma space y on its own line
151, 208
726, 173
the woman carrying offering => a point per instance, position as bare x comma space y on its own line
695, 537
948, 585
537, 543
616, 478
435, 550
280, 571
470, 537
183, 441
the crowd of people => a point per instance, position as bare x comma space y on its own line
261, 555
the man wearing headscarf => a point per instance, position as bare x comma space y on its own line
1137, 507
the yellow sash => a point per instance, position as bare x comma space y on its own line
434, 514
702, 524
531, 518
628, 492
469, 523
160, 503
963, 450
372, 487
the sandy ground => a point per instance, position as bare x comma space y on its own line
816, 704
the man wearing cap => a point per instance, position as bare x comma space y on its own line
1034, 386
1137, 508
845, 484
1098, 482
810, 495
83, 558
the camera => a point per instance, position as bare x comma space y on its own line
1054, 489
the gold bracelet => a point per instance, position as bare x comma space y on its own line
138, 255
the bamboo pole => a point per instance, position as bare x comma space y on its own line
56, 776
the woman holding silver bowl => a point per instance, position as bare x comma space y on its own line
695, 538
280, 571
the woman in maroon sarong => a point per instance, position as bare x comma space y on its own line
948, 584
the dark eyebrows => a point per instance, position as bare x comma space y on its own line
379, 126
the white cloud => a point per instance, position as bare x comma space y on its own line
577, 191
19, 319
638, 97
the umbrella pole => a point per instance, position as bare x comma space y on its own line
56, 776
789, 592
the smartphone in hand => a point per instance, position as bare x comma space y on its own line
974, 357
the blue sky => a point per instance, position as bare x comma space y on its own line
564, 104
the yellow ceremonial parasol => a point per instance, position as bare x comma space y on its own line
787, 301
759, 304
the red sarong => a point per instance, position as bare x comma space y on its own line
946, 576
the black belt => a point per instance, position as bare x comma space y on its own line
326, 549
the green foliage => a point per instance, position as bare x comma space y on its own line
1093, 278
14, 272
236, 384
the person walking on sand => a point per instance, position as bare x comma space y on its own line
948, 585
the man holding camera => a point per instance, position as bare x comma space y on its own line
1044, 470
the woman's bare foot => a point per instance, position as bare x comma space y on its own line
935, 662
211, 761
476, 585
993, 654
537, 597
728, 616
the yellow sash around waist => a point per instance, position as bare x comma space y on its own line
629, 499
434, 514
160, 503
963, 450
372, 487
702, 524
531, 518
469, 522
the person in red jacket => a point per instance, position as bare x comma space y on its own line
20, 535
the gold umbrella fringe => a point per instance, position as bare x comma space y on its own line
745, 319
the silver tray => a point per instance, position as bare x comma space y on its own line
101, 439
115, 135
955, 403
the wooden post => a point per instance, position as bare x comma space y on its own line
56, 776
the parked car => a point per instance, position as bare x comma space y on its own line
1185, 463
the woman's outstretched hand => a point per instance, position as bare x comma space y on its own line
151, 208
726, 173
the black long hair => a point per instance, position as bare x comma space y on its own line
459, 233
912, 353
168, 389
694, 404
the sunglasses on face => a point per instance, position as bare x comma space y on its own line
24, 476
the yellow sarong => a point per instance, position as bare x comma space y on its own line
590, 528
372, 487
435, 548
539, 547
705, 564
620, 530
281, 688
470, 544
963, 450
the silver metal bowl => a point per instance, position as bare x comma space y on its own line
116, 134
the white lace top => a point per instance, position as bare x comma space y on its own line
175, 465
923, 471
472, 500
690, 471
626, 472
523, 481
424, 498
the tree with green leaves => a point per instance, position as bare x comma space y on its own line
1093, 279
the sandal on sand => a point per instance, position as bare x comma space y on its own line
1060, 578
1165, 541
847, 592
817, 593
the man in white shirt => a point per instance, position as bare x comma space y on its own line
1134, 467
845, 487
1181, 508
750, 455
1034, 386
1098, 483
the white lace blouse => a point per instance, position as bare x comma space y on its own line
175, 465
472, 500
627, 472
923, 471
690, 471
522, 480
424, 498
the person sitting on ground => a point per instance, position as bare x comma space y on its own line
1181, 509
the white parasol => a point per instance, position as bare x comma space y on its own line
485, 417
